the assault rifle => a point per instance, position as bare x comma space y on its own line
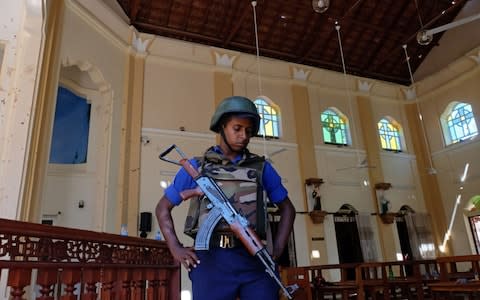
220, 208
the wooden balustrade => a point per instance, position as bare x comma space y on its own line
455, 267
371, 280
458, 277
416, 279
70, 264
334, 280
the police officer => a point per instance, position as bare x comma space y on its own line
227, 271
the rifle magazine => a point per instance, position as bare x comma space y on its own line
202, 240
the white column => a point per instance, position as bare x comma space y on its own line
21, 33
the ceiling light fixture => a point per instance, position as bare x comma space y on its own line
320, 6
424, 37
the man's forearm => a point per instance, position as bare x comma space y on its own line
287, 216
165, 221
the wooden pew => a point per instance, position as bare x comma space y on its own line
333, 280
422, 279
404, 279
458, 277
455, 267
323, 281
371, 280
430, 273
301, 277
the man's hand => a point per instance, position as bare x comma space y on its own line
186, 256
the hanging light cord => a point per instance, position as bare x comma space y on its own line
259, 77
254, 4
354, 130
420, 116
418, 14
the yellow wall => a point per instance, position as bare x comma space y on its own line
459, 83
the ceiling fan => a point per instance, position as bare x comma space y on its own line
362, 165
273, 153
425, 36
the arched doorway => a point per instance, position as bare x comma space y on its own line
402, 231
348, 239
74, 194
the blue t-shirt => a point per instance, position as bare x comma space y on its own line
272, 183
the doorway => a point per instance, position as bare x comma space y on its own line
348, 239
76, 180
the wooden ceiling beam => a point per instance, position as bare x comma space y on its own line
381, 60
372, 36
330, 19
188, 16
244, 8
177, 32
134, 8
206, 15
378, 46
276, 24
275, 53
459, 3
347, 34
170, 5
374, 28
310, 37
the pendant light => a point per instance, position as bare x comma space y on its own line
320, 6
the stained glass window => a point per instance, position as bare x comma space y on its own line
461, 123
334, 128
389, 135
269, 123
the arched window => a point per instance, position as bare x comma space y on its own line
458, 122
70, 129
334, 127
269, 123
389, 133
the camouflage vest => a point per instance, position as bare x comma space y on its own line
241, 183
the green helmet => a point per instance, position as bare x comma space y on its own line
235, 105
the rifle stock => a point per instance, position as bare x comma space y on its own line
248, 237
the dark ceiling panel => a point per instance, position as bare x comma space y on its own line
372, 31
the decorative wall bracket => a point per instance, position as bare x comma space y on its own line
314, 204
384, 204
317, 216
388, 218
383, 186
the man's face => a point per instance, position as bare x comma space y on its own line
238, 132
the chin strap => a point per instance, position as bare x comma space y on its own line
222, 134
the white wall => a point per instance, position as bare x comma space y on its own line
99, 55
21, 24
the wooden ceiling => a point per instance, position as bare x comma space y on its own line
372, 31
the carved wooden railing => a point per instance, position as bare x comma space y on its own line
371, 280
64, 263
